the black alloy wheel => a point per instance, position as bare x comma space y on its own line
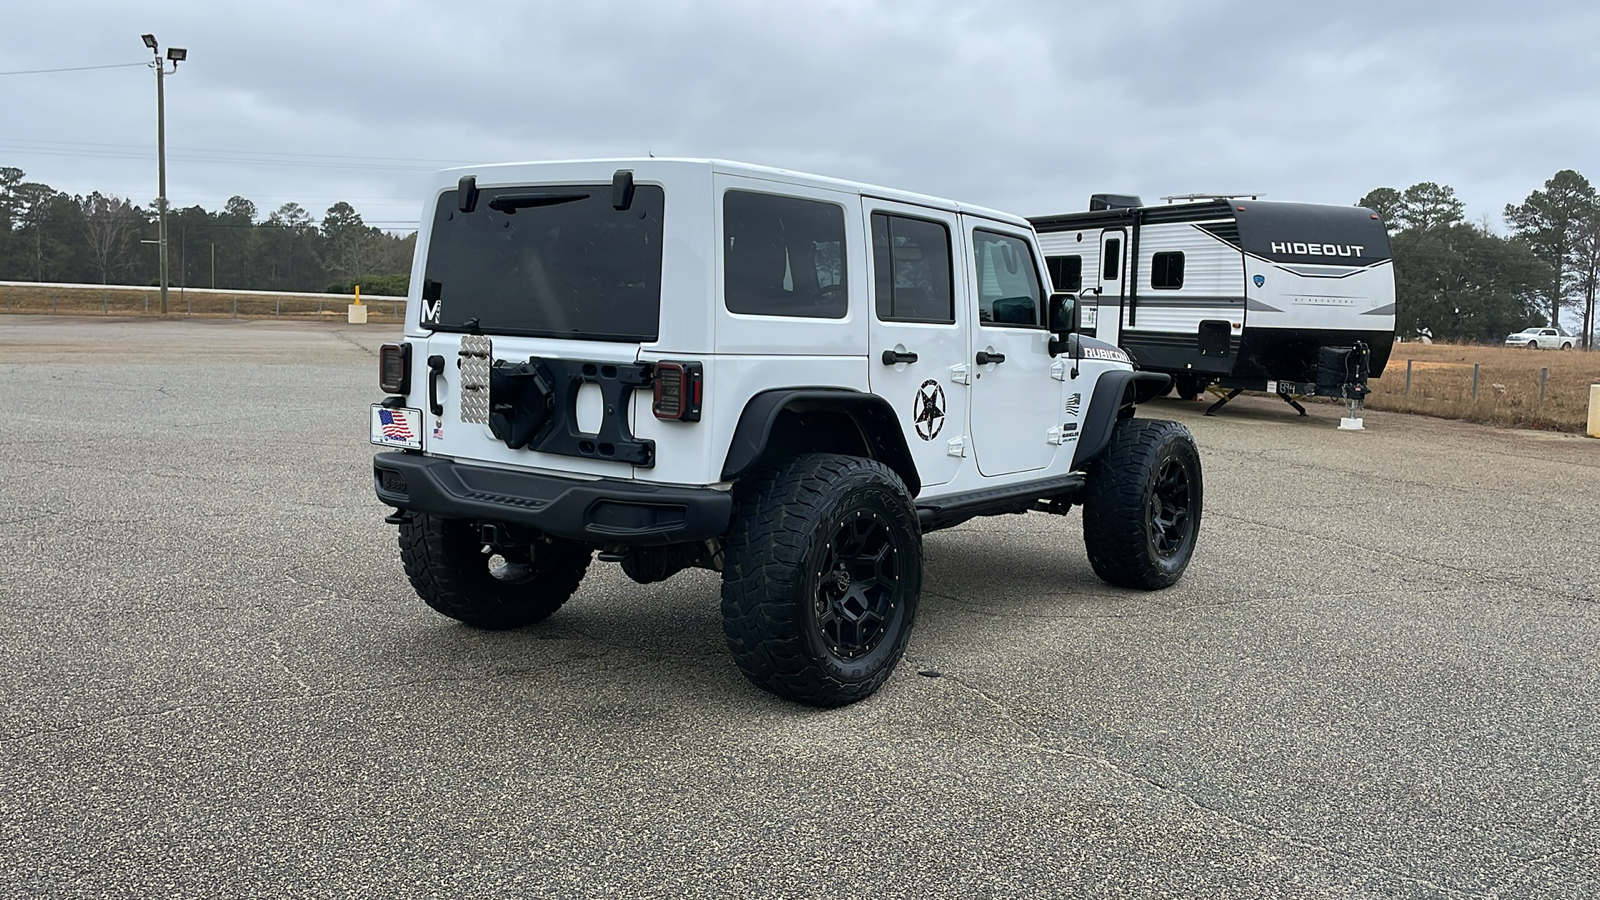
858, 585
1169, 508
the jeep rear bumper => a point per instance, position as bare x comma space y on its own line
605, 511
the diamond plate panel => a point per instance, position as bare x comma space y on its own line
475, 358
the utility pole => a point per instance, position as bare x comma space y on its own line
175, 55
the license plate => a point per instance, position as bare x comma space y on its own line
400, 427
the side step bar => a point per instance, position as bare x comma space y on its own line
944, 512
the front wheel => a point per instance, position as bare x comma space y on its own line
822, 577
1533, 345
447, 565
1142, 504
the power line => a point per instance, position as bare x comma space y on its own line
263, 156
75, 69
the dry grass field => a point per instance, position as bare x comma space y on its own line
121, 300
1508, 392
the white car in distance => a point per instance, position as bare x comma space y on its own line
1537, 338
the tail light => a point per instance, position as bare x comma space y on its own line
678, 388
394, 368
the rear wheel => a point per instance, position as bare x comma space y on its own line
1142, 504
1567, 345
445, 561
822, 577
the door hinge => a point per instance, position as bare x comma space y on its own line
961, 374
1058, 370
957, 447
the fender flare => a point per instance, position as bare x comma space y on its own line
1115, 395
879, 427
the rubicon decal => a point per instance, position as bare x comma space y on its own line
1104, 353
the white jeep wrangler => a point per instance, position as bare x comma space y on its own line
784, 378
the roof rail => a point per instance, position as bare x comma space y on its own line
1253, 195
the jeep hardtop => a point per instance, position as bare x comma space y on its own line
784, 378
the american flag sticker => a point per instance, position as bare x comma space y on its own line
397, 427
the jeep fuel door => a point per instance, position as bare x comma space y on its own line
1014, 396
918, 349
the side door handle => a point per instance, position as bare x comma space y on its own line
435, 368
985, 357
890, 357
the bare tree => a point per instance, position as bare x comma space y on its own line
1586, 269
108, 223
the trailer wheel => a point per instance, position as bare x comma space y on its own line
821, 579
1142, 505
445, 562
1187, 386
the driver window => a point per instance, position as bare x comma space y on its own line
783, 256
1008, 283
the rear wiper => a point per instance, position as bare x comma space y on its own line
510, 203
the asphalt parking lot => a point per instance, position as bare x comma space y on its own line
1379, 678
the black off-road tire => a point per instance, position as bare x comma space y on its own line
445, 561
1142, 505
821, 578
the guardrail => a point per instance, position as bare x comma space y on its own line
136, 300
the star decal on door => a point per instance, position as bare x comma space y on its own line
928, 414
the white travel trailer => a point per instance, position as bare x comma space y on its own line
1288, 298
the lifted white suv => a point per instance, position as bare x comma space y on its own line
785, 378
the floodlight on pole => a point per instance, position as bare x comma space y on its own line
175, 55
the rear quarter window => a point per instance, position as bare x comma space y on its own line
783, 256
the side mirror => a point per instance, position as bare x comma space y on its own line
1063, 320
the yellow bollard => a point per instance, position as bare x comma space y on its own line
358, 313
1594, 410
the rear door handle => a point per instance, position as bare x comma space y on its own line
890, 357
435, 368
985, 357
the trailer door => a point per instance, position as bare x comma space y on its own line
1113, 268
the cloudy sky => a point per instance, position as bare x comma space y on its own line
1025, 105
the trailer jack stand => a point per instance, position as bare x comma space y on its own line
1352, 422
1212, 409
1292, 402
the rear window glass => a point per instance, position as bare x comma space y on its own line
547, 262
783, 256
911, 262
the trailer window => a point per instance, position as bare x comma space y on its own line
1110, 269
1166, 271
911, 270
783, 256
1008, 283
1066, 272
